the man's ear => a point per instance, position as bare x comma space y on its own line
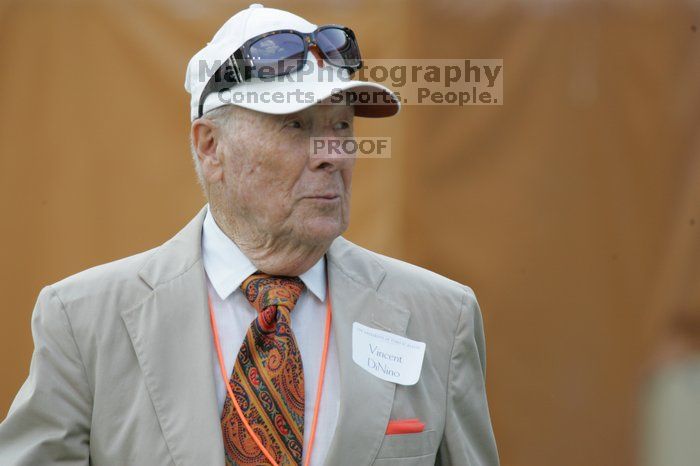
205, 139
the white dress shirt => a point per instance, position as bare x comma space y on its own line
226, 268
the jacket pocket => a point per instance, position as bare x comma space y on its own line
407, 445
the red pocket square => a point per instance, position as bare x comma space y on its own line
404, 426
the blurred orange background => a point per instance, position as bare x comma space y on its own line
573, 210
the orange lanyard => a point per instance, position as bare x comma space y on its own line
319, 388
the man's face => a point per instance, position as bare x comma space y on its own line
273, 184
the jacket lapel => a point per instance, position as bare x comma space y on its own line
172, 338
365, 400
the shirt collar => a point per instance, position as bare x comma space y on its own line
227, 266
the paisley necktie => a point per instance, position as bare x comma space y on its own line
267, 379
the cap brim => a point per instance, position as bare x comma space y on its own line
369, 99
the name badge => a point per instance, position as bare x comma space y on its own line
385, 355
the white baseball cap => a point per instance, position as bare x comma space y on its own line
316, 82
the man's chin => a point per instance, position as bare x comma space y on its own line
322, 230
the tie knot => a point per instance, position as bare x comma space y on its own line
263, 290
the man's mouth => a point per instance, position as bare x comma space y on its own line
324, 197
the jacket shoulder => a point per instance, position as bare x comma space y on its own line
409, 284
398, 271
116, 282
115, 286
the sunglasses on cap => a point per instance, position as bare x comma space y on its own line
277, 53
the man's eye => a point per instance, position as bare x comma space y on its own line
342, 125
293, 124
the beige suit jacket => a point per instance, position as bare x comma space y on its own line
122, 372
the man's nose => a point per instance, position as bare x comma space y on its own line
328, 153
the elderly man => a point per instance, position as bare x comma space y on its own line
258, 335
